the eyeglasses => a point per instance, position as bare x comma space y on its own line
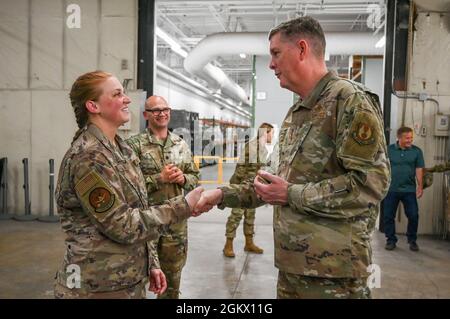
159, 111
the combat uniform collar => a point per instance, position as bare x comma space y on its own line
124, 151
311, 100
172, 139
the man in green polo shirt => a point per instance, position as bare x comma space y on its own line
407, 165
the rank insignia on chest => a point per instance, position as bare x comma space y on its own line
363, 134
101, 199
318, 112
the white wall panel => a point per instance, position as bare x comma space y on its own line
15, 142
274, 108
117, 42
431, 47
46, 44
47, 8
82, 45
53, 127
14, 44
119, 8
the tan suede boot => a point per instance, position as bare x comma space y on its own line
228, 249
250, 245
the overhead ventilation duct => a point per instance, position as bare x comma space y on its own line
207, 50
256, 43
197, 88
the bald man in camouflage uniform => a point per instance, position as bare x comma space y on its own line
332, 174
163, 153
255, 157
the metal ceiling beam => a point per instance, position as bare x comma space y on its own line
218, 18
196, 13
257, 2
172, 24
268, 7
334, 10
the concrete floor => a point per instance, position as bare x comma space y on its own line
30, 253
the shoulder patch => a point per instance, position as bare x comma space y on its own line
101, 199
363, 134
362, 140
95, 194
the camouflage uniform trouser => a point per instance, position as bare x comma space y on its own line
134, 292
235, 218
172, 253
291, 286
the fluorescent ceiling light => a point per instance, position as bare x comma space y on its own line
242, 55
173, 44
381, 42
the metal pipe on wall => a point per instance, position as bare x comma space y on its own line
26, 187
51, 218
4, 189
216, 98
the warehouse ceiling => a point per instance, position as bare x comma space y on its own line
188, 22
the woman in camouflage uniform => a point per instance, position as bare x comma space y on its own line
102, 202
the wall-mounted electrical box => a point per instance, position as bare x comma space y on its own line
441, 125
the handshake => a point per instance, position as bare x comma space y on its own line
201, 201
269, 188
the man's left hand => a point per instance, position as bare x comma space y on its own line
275, 192
158, 282
180, 180
177, 177
419, 192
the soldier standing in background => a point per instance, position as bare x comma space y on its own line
102, 201
332, 174
255, 157
168, 167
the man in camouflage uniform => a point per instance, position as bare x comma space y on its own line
333, 172
168, 168
255, 157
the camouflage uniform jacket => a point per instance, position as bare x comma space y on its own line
333, 153
254, 159
154, 154
101, 198
428, 173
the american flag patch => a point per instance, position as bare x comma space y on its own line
89, 181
